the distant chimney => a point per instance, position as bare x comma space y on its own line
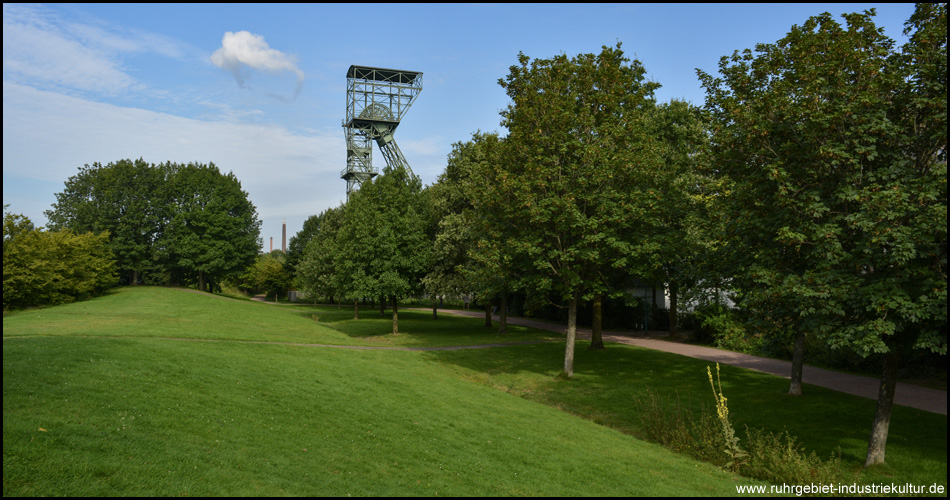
283, 237
271, 243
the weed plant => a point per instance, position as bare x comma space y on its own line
776, 457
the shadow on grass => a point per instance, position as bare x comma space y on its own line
417, 328
606, 384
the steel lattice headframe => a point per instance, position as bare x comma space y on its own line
376, 101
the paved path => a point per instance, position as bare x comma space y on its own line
923, 398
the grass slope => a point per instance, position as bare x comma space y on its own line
142, 414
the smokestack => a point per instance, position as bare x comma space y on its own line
271, 243
283, 237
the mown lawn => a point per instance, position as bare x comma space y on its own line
607, 384
125, 395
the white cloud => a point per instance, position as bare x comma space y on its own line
245, 49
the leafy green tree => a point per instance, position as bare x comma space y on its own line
681, 211
576, 175
213, 231
298, 242
316, 274
13, 226
52, 267
119, 198
356, 251
467, 257
270, 274
383, 243
836, 145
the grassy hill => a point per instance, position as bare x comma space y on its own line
154, 391
120, 396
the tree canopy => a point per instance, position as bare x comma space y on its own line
832, 141
577, 173
382, 247
184, 223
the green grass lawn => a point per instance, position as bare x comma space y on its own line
101, 398
110, 397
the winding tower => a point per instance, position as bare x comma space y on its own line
376, 101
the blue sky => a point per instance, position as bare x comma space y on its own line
99, 83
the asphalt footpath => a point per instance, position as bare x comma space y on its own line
932, 400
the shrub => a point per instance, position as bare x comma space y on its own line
778, 457
722, 327
680, 428
53, 267
709, 436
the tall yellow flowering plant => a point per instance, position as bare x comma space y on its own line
737, 455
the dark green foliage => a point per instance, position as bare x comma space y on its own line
683, 236
723, 327
463, 260
778, 457
833, 147
315, 273
212, 230
382, 247
298, 242
576, 181
167, 223
843, 223
123, 198
52, 267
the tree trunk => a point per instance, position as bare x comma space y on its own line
356, 308
653, 307
503, 313
885, 401
201, 281
674, 297
798, 359
135, 278
597, 336
571, 335
382, 305
435, 309
395, 316
488, 314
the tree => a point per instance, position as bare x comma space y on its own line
836, 145
270, 274
316, 274
383, 245
52, 267
190, 219
119, 198
468, 257
681, 214
213, 231
577, 163
298, 242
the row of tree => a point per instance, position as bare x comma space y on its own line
167, 223
812, 184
